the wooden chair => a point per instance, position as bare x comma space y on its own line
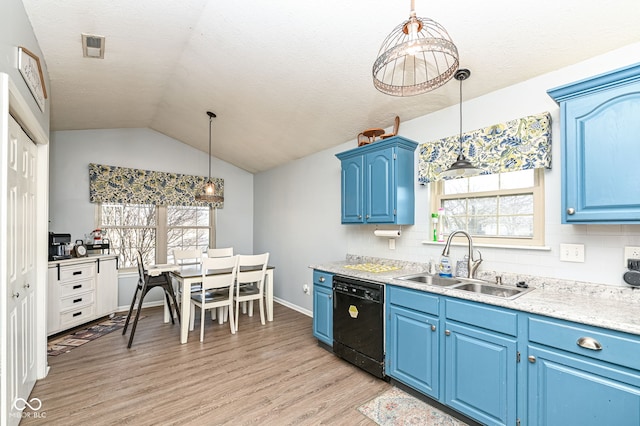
187, 258
396, 127
216, 290
145, 284
220, 252
250, 282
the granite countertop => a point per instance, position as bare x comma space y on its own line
612, 307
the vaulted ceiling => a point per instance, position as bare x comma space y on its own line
288, 78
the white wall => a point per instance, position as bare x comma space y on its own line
297, 214
71, 152
15, 30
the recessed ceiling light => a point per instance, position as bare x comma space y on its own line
93, 46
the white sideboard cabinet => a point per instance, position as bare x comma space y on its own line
81, 290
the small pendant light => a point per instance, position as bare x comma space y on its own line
462, 167
207, 193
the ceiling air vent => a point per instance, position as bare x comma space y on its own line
92, 46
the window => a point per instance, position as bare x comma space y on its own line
154, 230
501, 208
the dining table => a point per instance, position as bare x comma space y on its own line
192, 274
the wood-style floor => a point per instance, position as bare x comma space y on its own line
274, 374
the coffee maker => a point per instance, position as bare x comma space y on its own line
59, 245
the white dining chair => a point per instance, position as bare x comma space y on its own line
216, 290
220, 252
250, 282
187, 258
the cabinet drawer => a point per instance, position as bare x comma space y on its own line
322, 278
617, 348
76, 301
489, 317
76, 287
78, 315
413, 299
72, 273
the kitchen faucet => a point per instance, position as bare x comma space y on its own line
473, 264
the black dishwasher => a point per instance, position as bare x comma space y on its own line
358, 323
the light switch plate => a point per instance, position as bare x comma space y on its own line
572, 253
631, 253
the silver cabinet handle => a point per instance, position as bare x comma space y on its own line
331, 296
571, 211
359, 216
447, 333
589, 343
433, 327
366, 217
532, 359
321, 279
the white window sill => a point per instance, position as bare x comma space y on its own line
501, 246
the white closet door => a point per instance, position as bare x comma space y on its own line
20, 273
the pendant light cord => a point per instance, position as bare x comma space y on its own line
210, 120
211, 116
460, 138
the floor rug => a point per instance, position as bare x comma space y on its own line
396, 407
78, 337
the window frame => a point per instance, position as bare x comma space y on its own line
161, 229
537, 190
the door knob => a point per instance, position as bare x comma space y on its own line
532, 359
447, 333
571, 211
433, 327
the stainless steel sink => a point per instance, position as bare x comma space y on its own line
493, 290
436, 280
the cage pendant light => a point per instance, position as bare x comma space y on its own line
417, 57
461, 167
208, 192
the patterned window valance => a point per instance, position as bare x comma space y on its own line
519, 144
111, 184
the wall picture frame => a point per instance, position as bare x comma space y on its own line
31, 71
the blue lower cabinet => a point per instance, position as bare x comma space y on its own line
323, 307
480, 374
582, 375
572, 390
412, 349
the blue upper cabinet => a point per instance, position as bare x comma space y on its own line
600, 122
378, 182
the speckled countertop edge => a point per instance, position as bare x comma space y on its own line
612, 307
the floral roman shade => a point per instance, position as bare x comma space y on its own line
520, 144
111, 184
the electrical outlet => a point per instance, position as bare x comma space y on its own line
305, 289
572, 253
631, 253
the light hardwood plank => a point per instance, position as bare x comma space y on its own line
274, 374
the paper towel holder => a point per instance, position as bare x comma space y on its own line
388, 233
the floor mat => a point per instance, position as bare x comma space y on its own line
396, 407
66, 343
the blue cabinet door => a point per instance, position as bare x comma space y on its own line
323, 314
412, 349
599, 135
567, 389
378, 182
380, 187
352, 190
480, 374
